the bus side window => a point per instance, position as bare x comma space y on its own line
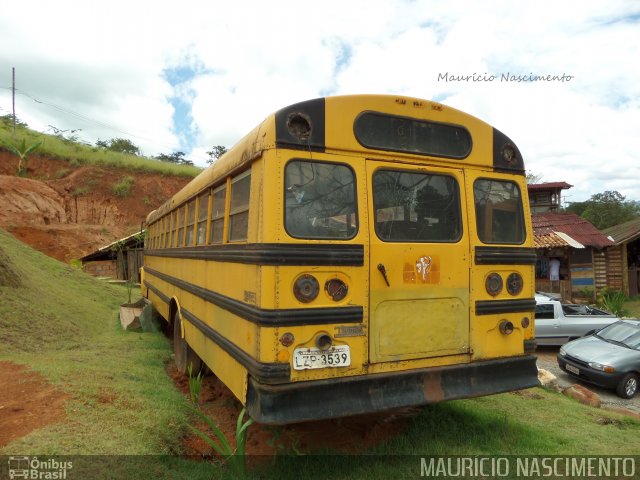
174, 225
167, 229
203, 209
191, 220
239, 207
180, 214
217, 214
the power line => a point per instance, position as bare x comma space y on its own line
88, 119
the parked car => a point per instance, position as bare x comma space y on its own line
609, 358
557, 323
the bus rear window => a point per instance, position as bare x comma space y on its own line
416, 207
499, 213
401, 134
320, 200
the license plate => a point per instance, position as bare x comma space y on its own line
572, 369
308, 358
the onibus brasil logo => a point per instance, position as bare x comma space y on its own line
33, 468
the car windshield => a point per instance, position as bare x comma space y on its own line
625, 333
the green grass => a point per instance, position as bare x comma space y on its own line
80, 154
122, 188
63, 324
632, 307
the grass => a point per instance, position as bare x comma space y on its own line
632, 307
81, 154
122, 188
71, 335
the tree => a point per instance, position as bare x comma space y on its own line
216, 152
121, 145
533, 177
606, 209
22, 152
175, 157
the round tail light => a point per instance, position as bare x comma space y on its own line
514, 283
493, 284
306, 288
336, 289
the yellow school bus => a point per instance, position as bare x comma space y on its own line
352, 254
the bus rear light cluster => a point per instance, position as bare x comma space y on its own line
494, 284
306, 288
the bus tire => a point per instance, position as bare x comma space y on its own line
182, 352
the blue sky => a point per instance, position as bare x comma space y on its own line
188, 77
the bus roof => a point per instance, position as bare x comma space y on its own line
304, 126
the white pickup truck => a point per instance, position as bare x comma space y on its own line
558, 323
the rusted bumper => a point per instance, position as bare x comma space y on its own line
332, 398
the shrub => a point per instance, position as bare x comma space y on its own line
123, 187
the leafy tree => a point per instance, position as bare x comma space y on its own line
175, 157
122, 145
7, 120
22, 152
533, 178
606, 209
68, 136
216, 152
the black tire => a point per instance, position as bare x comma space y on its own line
183, 353
628, 386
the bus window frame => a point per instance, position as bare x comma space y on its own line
205, 220
521, 220
412, 152
238, 210
356, 212
190, 224
419, 172
221, 217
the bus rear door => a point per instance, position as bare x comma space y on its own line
419, 262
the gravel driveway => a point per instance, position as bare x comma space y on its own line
547, 360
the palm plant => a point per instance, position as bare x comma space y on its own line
22, 152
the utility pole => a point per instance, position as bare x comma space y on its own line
13, 91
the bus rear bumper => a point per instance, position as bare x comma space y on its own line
333, 398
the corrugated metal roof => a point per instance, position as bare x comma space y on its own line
548, 185
625, 232
576, 227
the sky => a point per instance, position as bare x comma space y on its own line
185, 76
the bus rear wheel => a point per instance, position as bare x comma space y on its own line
182, 352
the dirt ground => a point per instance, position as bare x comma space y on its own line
68, 211
346, 435
27, 402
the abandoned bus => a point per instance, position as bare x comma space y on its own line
351, 254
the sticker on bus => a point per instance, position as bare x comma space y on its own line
308, 358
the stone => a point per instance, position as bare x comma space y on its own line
548, 380
583, 395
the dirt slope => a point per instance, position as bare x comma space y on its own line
68, 211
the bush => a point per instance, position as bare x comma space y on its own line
613, 301
123, 187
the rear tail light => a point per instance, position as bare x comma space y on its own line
306, 288
514, 283
493, 284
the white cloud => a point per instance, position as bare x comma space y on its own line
107, 63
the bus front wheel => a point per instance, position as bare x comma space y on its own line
183, 353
